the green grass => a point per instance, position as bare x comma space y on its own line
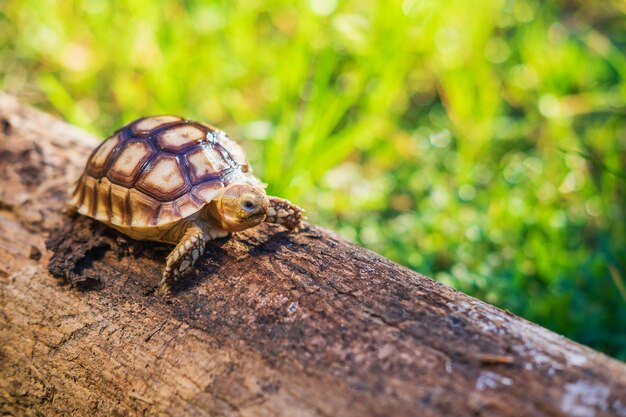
482, 143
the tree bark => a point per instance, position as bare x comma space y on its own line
268, 324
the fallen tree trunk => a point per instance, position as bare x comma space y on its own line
269, 324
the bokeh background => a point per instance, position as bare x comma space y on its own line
482, 143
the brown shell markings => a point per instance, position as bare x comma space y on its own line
158, 170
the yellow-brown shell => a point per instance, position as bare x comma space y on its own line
158, 170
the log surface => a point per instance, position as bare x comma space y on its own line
268, 324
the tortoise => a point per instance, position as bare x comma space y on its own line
169, 179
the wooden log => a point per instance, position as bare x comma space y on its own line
269, 323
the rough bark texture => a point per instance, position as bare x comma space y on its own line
269, 324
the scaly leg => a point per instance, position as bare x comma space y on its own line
283, 212
185, 254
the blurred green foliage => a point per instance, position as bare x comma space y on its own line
482, 143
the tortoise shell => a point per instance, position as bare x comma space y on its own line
158, 170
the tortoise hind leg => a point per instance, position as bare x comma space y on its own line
185, 254
284, 212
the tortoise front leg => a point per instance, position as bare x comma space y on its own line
284, 212
185, 254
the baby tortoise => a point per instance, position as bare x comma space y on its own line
167, 179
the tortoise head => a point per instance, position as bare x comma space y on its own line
241, 206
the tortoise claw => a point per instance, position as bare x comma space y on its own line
184, 255
285, 213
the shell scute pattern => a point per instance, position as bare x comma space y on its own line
205, 163
158, 170
147, 125
98, 161
165, 179
130, 161
236, 153
118, 196
178, 138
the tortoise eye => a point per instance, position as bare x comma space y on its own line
248, 205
